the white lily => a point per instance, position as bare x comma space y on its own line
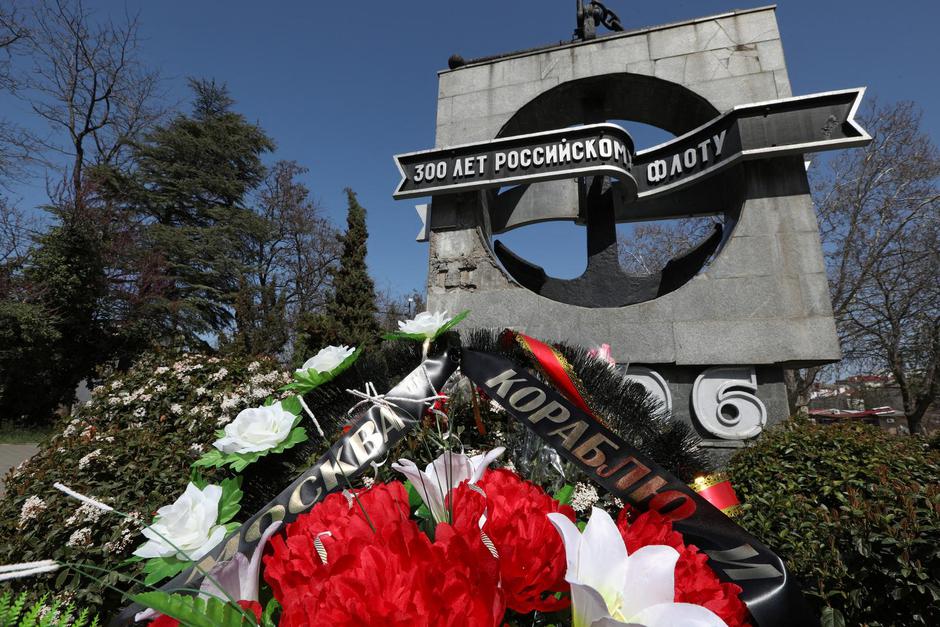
435, 483
610, 588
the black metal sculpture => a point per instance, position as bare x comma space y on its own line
593, 15
604, 283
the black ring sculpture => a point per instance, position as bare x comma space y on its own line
604, 283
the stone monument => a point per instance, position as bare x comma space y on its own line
711, 333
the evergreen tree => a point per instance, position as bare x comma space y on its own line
188, 187
51, 332
350, 315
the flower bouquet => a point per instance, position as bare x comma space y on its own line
526, 491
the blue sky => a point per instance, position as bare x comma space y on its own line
342, 86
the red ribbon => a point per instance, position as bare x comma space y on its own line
721, 495
556, 369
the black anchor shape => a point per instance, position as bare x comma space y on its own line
604, 283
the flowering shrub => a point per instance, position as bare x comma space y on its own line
131, 446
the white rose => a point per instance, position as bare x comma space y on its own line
327, 359
256, 429
425, 323
189, 524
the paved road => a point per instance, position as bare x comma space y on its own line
12, 455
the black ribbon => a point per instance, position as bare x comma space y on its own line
370, 437
771, 595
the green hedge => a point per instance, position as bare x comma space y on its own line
855, 512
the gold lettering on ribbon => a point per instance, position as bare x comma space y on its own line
590, 453
253, 533
296, 503
571, 433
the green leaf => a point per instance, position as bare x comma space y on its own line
450, 324
831, 617
211, 459
231, 499
267, 618
292, 404
160, 568
195, 611
401, 335
196, 478
414, 499
564, 494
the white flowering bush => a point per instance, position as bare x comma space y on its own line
131, 446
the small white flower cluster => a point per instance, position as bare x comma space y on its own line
87, 460
160, 389
197, 448
86, 513
584, 497
32, 507
253, 366
259, 393
72, 427
80, 538
219, 375
130, 529
140, 412
161, 370
261, 379
201, 391
176, 408
231, 402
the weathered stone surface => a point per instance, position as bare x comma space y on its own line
764, 298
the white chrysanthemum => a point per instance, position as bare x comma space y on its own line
190, 524
327, 358
425, 323
256, 429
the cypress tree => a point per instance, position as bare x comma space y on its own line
350, 315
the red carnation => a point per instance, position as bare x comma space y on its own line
696, 582
392, 577
531, 554
166, 621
